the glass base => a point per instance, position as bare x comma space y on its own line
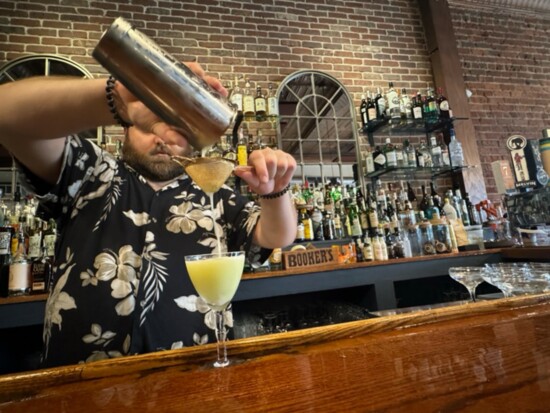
221, 363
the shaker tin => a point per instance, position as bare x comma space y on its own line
165, 85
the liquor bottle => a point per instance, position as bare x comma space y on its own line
317, 224
272, 103
424, 156
435, 150
394, 108
260, 105
248, 102
49, 238
430, 107
379, 159
305, 219
405, 106
353, 217
411, 195
473, 214
368, 160
328, 201
443, 105
377, 248
362, 211
35, 239
368, 250
456, 154
338, 228
456, 202
242, 148
426, 236
410, 154
423, 205
363, 111
329, 231
41, 269
236, 97
402, 161
390, 153
380, 103
390, 243
372, 113
450, 211
435, 195
19, 282
6, 233
417, 110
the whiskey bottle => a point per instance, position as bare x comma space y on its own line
443, 105
363, 112
394, 107
272, 103
260, 105
19, 282
380, 104
41, 269
372, 114
248, 102
236, 97
417, 110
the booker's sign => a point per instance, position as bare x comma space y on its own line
309, 257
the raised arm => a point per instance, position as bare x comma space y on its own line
36, 112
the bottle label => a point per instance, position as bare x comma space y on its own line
272, 106
391, 158
19, 276
369, 163
380, 160
242, 155
417, 112
35, 242
248, 104
237, 100
260, 105
49, 244
373, 219
368, 253
5, 242
371, 114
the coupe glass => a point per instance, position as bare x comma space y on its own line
216, 278
469, 277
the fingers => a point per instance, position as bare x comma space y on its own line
272, 170
212, 81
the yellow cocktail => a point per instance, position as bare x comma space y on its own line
216, 278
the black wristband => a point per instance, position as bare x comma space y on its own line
111, 102
275, 194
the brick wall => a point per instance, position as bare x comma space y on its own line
365, 44
506, 64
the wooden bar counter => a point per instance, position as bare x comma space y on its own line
489, 356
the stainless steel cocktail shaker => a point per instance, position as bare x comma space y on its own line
165, 85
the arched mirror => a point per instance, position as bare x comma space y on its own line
318, 125
37, 65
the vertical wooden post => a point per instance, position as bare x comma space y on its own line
447, 72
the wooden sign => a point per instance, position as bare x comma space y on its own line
311, 257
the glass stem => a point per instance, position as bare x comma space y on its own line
221, 335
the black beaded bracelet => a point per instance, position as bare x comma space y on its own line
111, 102
275, 194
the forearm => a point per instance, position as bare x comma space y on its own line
36, 113
277, 224
52, 107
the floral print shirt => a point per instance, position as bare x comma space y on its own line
120, 285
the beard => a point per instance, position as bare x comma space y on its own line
152, 168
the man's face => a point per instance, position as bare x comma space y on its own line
150, 156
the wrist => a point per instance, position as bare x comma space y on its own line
111, 102
275, 195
